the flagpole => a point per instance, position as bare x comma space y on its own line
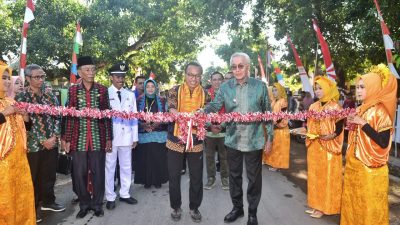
316, 64
20, 52
266, 68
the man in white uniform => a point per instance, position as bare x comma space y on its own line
125, 134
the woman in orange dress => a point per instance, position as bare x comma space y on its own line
324, 159
366, 181
16, 192
278, 157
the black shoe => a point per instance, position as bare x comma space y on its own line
196, 216
38, 216
75, 200
129, 200
233, 215
82, 213
99, 212
110, 205
252, 220
55, 207
158, 186
147, 186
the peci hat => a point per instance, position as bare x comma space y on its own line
85, 60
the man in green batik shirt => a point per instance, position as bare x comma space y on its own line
43, 135
244, 140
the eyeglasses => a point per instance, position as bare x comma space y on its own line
235, 67
40, 77
194, 76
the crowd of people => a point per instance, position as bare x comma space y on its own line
101, 149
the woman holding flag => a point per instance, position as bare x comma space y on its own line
324, 159
279, 156
366, 181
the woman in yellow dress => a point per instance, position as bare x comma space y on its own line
278, 157
324, 159
366, 181
16, 192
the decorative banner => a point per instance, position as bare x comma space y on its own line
330, 69
77, 43
302, 72
387, 41
197, 119
30, 8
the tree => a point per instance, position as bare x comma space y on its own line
351, 29
156, 35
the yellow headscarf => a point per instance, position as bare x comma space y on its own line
381, 86
281, 91
3, 67
329, 88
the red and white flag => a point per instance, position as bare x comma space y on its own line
330, 69
302, 72
152, 76
270, 57
387, 41
263, 78
30, 8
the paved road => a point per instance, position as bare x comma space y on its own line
283, 202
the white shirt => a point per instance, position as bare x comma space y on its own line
125, 132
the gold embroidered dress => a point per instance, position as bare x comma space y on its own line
17, 206
324, 158
366, 181
280, 153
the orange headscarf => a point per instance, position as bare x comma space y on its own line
329, 88
281, 91
14, 123
381, 86
3, 67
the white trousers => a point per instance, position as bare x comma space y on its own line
124, 154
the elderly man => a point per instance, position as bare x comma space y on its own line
188, 97
43, 137
245, 141
87, 139
125, 134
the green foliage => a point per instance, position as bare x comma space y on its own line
156, 35
350, 27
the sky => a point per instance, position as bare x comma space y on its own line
207, 56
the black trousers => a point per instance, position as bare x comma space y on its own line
253, 161
43, 165
195, 163
82, 162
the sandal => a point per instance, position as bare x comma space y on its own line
317, 214
310, 211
